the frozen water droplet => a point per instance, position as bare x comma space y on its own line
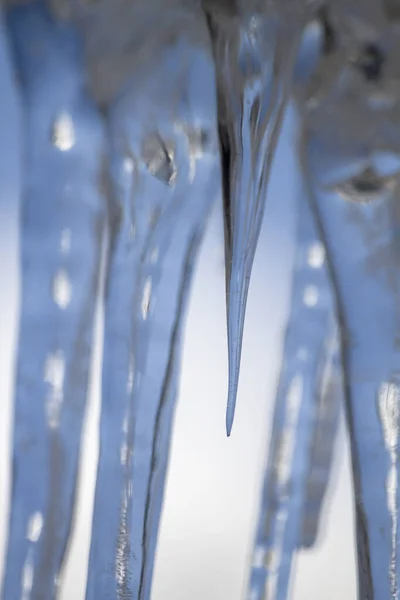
125, 425
62, 289
128, 165
311, 296
35, 525
316, 255
124, 453
65, 242
154, 256
131, 374
54, 373
63, 132
27, 577
146, 298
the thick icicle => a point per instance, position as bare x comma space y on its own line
255, 45
309, 351
62, 219
351, 149
166, 174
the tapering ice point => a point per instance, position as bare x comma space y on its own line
237, 292
254, 55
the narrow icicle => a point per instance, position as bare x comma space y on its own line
353, 159
62, 220
309, 352
166, 174
327, 411
255, 45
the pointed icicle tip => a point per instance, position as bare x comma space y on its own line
229, 423
237, 292
254, 83
231, 404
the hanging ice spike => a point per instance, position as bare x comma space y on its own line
165, 164
255, 45
62, 219
308, 375
353, 161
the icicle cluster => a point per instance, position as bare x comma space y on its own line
137, 115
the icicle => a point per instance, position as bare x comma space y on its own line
326, 416
166, 175
255, 48
351, 156
62, 218
307, 370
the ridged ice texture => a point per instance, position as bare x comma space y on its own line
351, 150
310, 351
62, 217
255, 45
166, 174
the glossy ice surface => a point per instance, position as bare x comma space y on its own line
352, 162
255, 46
133, 124
62, 224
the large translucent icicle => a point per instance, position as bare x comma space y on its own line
309, 351
62, 219
353, 158
166, 174
255, 45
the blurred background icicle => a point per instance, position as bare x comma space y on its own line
308, 372
166, 175
351, 150
62, 221
327, 410
255, 46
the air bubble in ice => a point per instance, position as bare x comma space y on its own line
63, 132
310, 296
62, 289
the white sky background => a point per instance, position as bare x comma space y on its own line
212, 493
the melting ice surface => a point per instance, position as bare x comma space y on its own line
254, 47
